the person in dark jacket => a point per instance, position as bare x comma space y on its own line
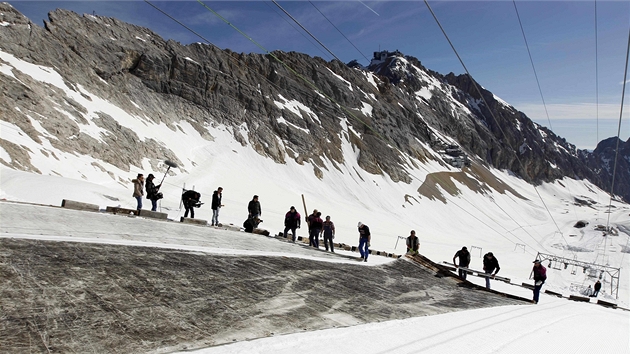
309, 219
191, 201
329, 234
490, 264
291, 222
540, 275
596, 288
316, 228
251, 223
413, 243
253, 208
153, 191
464, 261
216, 205
364, 241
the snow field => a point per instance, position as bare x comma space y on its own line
557, 326
491, 221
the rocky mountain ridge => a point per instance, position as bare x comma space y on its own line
602, 162
395, 113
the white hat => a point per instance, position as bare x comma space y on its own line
360, 224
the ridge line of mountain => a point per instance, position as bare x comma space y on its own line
399, 106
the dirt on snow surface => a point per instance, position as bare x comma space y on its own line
83, 282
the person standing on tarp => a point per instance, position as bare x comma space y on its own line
364, 241
329, 234
309, 220
540, 275
191, 201
153, 192
413, 243
253, 208
291, 222
490, 264
464, 261
251, 223
316, 228
216, 205
596, 287
138, 189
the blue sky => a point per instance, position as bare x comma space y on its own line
487, 35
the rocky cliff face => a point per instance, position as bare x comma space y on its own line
499, 134
602, 162
390, 111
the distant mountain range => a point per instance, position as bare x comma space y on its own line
394, 109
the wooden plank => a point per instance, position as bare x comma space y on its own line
476, 272
553, 293
449, 266
193, 221
495, 277
119, 210
442, 270
142, 212
260, 232
71, 204
153, 214
579, 298
607, 304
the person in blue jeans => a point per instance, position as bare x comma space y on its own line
540, 275
153, 191
316, 228
138, 189
216, 205
364, 241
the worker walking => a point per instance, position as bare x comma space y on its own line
490, 264
464, 261
540, 275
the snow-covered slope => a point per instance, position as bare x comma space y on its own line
557, 326
554, 325
108, 136
483, 218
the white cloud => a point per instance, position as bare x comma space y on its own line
572, 111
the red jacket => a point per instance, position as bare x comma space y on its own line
317, 223
540, 273
292, 219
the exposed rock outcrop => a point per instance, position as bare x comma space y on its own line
602, 161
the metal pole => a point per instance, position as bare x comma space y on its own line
399, 238
169, 167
